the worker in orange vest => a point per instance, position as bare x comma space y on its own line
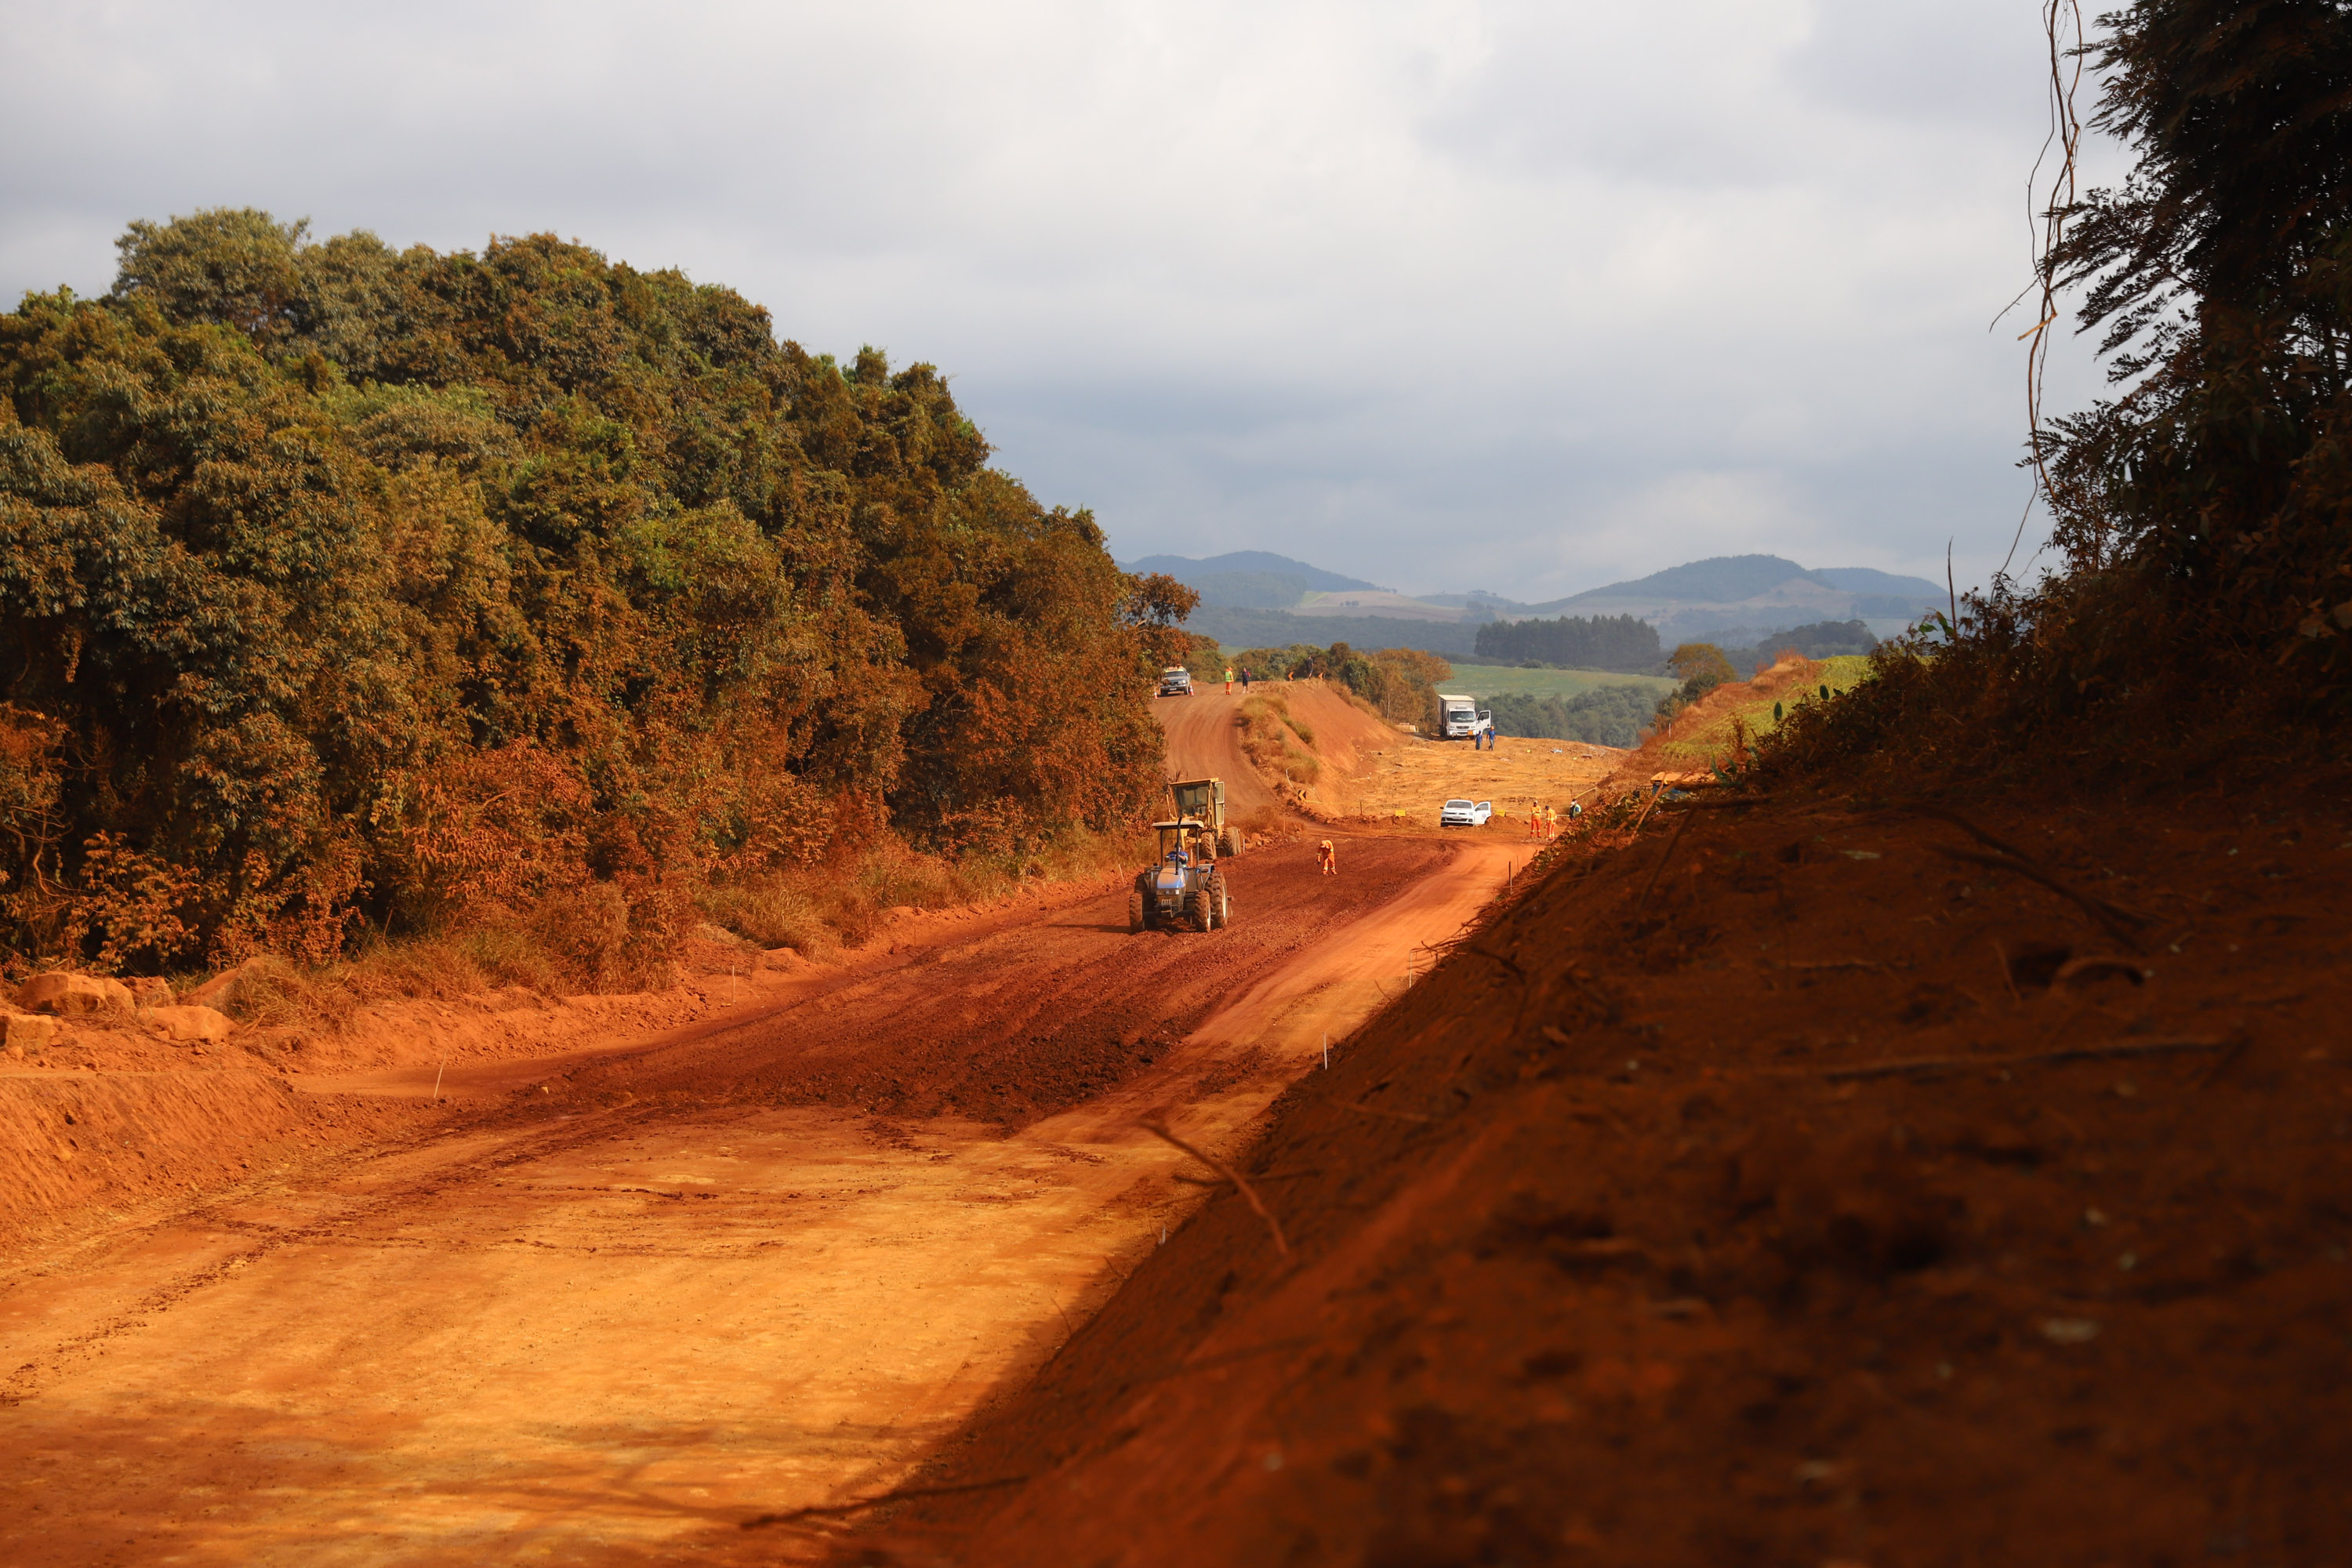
1229, 680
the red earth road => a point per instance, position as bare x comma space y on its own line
748, 1268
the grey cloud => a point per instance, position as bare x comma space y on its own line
1440, 294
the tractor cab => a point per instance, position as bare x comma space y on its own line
1185, 842
1184, 882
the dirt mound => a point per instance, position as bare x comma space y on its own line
71, 1140
1798, 1184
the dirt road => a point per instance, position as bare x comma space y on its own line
745, 1269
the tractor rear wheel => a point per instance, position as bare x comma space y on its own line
1203, 912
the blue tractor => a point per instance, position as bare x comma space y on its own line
1184, 884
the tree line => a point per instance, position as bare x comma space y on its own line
351, 588
1573, 642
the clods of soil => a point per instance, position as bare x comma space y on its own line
1807, 1183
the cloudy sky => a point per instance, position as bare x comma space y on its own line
1450, 295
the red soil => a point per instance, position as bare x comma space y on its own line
604, 1306
1204, 729
1724, 1202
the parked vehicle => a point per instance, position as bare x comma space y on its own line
1462, 718
1184, 884
1466, 813
1175, 682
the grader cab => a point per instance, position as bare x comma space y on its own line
1203, 801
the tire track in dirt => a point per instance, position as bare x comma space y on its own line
610, 1336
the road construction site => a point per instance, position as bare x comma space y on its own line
1782, 1177
604, 1302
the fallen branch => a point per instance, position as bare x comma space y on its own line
2030, 1058
1496, 957
896, 1494
2117, 919
1241, 1186
1944, 813
1660, 868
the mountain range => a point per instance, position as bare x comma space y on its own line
1254, 597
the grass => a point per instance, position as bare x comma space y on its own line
1265, 719
1486, 680
1709, 735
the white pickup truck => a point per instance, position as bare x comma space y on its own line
1462, 719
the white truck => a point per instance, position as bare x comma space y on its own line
1462, 718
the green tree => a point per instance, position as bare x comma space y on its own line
347, 583
2219, 483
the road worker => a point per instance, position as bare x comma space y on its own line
1229, 680
1328, 858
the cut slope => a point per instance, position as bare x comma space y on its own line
1805, 1196
1206, 738
1709, 732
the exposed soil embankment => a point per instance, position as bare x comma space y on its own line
1803, 1183
1284, 746
113, 1114
608, 1316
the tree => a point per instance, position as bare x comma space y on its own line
2219, 482
343, 584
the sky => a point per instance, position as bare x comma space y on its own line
1450, 295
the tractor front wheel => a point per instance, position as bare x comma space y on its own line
1136, 917
1224, 905
1202, 912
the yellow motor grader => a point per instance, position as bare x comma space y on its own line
1203, 801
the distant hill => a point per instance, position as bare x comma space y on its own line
1240, 628
1749, 598
1721, 579
1753, 593
1250, 566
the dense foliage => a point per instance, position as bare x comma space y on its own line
1400, 682
1703, 667
1573, 642
1604, 716
343, 585
2204, 513
2216, 488
1821, 639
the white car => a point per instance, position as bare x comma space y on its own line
1175, 682
1466, 813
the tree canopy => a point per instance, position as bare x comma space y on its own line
2220, 479
344, 584
1573, 642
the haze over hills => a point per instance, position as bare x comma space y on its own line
1257, 598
